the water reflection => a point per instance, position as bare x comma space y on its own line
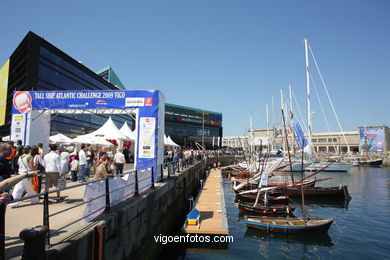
320, 239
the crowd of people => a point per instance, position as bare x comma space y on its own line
53, 168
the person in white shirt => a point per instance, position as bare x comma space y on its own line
82, 164
52, 169
119, 160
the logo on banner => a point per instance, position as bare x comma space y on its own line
22, 101
101, 102
135, 102
148, 102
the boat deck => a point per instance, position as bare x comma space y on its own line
211, 206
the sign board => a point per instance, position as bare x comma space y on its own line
148, 103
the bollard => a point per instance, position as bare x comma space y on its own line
46, 215
191, 202
136, 182
34, 242
107, 208
152, 177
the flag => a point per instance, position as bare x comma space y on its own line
301, 141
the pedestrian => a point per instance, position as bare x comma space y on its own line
119, 160
53, 170
101, 170
82, 164
26, 164
90, 157
40, 149
64, 160
39, 165
5, 166
74, 167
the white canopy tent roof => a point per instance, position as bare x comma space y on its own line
125, 129
171, 142
60, 138
108, 131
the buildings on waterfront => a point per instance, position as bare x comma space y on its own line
36, 64
371, 139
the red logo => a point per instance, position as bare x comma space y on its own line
22, 101
148, 102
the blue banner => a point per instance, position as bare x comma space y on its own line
301, 141
146, 101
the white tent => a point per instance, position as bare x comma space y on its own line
108, 131
5, 138
171, 142
59, 138
125, 129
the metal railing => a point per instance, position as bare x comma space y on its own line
170, 168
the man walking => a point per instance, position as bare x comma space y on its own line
52, 169
82, 164
119, 160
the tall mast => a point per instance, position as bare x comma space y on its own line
309, 126
282, 107
291, 117
273, 123
266, 111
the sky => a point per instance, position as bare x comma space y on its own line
226, 56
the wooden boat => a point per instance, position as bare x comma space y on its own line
371, 163
271, 198
318, 192
289, 225
266, 210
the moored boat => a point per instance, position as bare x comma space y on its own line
266, 210
289, 225
317, 192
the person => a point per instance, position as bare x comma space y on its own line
90, 156
119, 160
74, 167
40, 149
53, 169
26, 164
11, 157
5, 166
101, 170
82, 164
126, 153
64, 160
40, 166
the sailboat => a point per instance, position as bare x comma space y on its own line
287, 224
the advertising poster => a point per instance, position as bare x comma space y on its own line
146, 137
3, 91
18, 126
372, 139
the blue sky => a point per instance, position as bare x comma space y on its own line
225, 56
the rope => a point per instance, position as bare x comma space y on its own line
330, 100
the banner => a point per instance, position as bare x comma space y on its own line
145, 102
4, 71
372, 139
301, 141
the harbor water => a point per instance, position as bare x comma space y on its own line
361, 228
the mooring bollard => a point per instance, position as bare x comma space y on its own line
34, 242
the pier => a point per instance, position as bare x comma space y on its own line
211, 206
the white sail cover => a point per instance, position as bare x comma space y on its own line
59, 138
125, 129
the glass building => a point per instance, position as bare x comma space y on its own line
38, 65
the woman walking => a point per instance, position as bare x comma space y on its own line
26, 163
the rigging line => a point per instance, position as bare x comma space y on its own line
302, 121
330, 100
322, 109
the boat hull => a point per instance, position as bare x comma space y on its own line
288, 225
316, 192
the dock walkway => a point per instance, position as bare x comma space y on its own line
211, 206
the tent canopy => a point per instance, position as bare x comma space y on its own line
60, 138
125, 129
108, 131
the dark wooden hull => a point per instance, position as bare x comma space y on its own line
274, 225
272, 200
373, 163
316, 192
266, 210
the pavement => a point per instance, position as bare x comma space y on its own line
27, 215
